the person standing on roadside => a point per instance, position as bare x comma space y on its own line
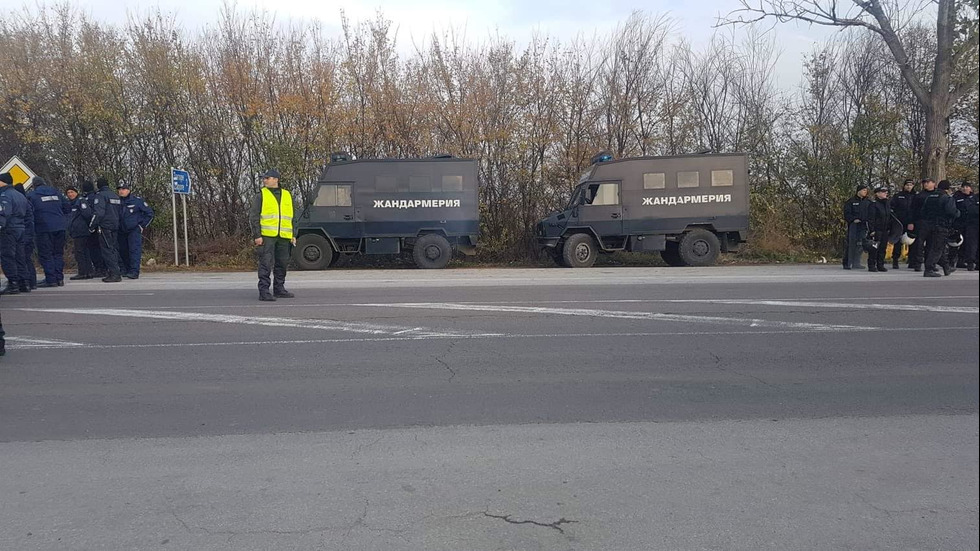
105, 208
856, 212
964, 256
934, 212
901, 205
50, 207
271, 221
28, 273
14, 207
135, 216
879, 227
80, 229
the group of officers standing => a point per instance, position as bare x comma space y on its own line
941, 228
106, 228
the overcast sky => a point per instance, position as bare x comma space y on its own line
517, 19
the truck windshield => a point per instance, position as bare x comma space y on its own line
575, 198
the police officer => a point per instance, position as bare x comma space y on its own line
965, 256
135, 216
271, 221
934, 211
80, 228
901, 205
105, 210
14, 208
28, 273
50, 207
879, 226
856, 212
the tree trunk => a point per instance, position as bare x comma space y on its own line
936, 148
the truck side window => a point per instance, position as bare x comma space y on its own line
722, 178
386, 183
419, 183
333, 195
452, 183
603, 194
688, 179
654, 180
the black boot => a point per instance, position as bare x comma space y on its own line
11, 289
81, 276
894, 264
112, 279
932, 274
881, 268
872, 268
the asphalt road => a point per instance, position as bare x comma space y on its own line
617, 408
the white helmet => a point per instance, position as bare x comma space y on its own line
955, 240
907, 239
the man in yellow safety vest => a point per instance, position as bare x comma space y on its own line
271, 221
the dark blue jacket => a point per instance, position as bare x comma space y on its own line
135, 214
14, 206
80, 217
106, 205
29, 220
49, 209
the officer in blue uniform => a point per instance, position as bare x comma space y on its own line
50, 207
80, 228
28, 273
135, 216
105, 207
14, 207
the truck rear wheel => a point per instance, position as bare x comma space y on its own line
699, 248
671, 255
313, 252
432, 252
580, 251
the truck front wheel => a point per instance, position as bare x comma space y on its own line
580, 251
313, 252
699, 248
432, 251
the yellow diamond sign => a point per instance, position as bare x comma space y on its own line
19, 171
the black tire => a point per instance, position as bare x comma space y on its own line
580, 251
313, 252
432, 252
699, 248
670, 255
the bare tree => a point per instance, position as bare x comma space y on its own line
955, 67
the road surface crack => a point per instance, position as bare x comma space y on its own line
556, 525
440, 359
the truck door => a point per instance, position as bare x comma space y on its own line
602, 208
334, 208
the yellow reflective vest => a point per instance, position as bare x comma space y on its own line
276, 219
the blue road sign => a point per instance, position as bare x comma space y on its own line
182, 182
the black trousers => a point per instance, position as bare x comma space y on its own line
877, 258
51, 252
83, 256
273, 255
95, 252
971, 238
934, 237
109, 243
9, 255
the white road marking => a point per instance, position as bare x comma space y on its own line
292, 323
485, 336
31, 342
845, 305
625, 314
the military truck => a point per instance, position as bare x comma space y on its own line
688, 207
427, 207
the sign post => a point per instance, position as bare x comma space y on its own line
181, 185
19, 171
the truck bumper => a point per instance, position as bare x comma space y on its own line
548, 242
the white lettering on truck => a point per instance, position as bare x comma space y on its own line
686, 200
416, 203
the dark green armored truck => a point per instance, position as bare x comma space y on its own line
428, 207
687, 207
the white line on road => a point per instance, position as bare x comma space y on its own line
624, 314
30, 342
844, 305
485, 336
292, 323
